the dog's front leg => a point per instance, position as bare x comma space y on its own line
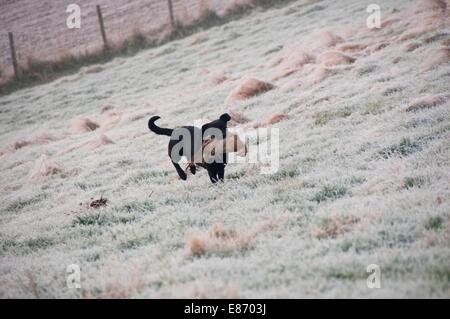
212, 175
180, 171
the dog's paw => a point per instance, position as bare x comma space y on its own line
193, 169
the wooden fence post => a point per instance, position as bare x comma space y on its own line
13, 55
102, 28
172, 18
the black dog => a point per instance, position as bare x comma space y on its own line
188, 141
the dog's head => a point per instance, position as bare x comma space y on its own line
219, 124
225, 117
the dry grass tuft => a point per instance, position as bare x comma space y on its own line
297, 59
221, 240
273, 119
425, 16
118, 283
109, 120
248, 88
44, 167
106, 108
427, 101
39, 138
218, 78
377, 46
91, 144
415, 32
411, 47
33, 285
436, 57
334, 226
99, 141
318, 75
429, 5
351, 46
91, 69
333, 58
237, 5
327, 39
291, 63
238, 118
81, 124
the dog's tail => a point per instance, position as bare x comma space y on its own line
158, 130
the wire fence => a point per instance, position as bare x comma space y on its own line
40, 31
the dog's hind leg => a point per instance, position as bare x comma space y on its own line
212, 172
180, 171
221, 172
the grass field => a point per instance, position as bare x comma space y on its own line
364, 174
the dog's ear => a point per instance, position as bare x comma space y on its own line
225, 117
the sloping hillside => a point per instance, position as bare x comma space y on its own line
363, 178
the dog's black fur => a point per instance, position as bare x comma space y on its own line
216, 170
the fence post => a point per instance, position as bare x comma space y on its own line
102, 28
13, 55
172, 18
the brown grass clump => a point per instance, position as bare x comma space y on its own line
332, 58
429, 5
39, 138
284, 73
427, 101
116, 282
199, 38
238, 118
415, 32
318, 75
377, 46
81, 124
14, 146
273, 119
291, 63
425, 16
106, 108
411, 47
334, 226
221, 240
91, 144
351, 46
248, 88
435, 57
274, 62
218, 78
297, 59
236, 5
327, 39
109, 120
99, 141
44, 167
44, 137
387, 23
91, 69
217, 240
